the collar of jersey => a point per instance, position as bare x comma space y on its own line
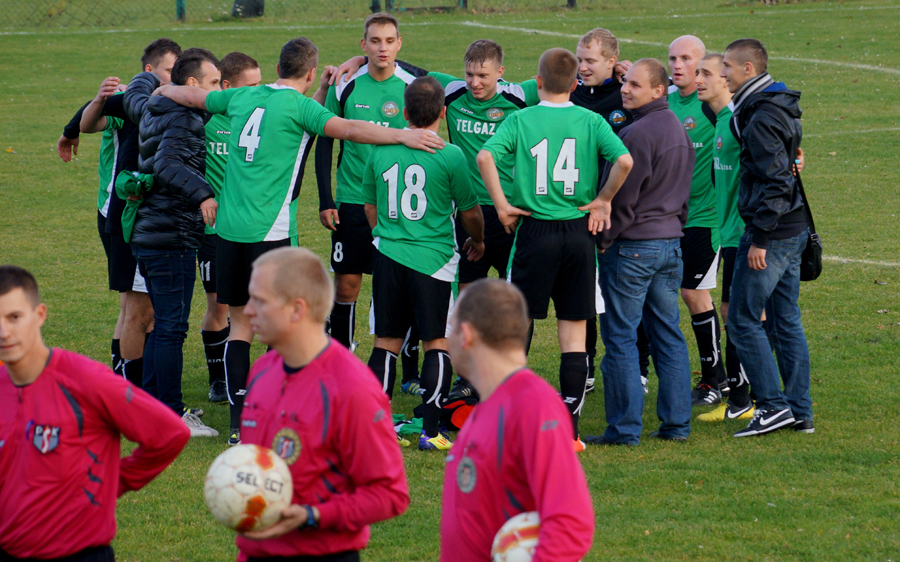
275, 86
551, 104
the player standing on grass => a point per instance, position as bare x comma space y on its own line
315, 403
272, 128
513, 455
62, 417
410, 198
557, 148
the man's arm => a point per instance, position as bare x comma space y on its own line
67, 145
188, 96
601, 207
473, 222
362, 132
138, 94
507, 214
372, 215
93, 120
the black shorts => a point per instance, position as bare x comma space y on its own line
558, 260
349, 556
121, 266
402, 296
351, 243
234, 261
701, 259
728, 257
206, 262
497, 246
91, 554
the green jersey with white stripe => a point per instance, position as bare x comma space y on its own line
701, 129
106, 165
727, 171
415, 193
556, 149
273, 130
217, 134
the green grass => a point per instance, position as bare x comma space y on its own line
832, 495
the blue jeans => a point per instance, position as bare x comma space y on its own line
775, 289
170, 276
640, 280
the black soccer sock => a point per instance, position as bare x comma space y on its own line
591, 345
133, 370
214, 348
529, 338
343, 321
436, 377
643, 346
409, 356
573, 371
737, 378
706, 330
237, 367
384, 364
116, 356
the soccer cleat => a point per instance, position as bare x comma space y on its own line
579, 445
461, 389
217, 392
645, 382
412, 387
767, 421
234, 437
403, 442
728, 411
195, 411
666, 437
438, 443
705, 395
589, 386
196, 426
804, 426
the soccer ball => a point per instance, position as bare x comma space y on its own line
517, 539
247, 487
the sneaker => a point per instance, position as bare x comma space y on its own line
804, 426
234, 437
666, 437
195, 411
579, 445
217, 392
402, 441
728, 411
705, 395
196, 426
601, 440
589, 386
645, 382
439, 443
767, 421
412, 387
461, 389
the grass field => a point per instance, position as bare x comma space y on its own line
833, 495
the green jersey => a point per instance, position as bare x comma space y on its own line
217, 134
699, 123
472, 122
727, 172
556, 149
415, 193
366, 99
274, 129
106, 165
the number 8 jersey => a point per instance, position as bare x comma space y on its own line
272, 132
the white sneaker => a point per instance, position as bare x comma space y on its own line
196, 426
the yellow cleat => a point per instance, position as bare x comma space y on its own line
727, 411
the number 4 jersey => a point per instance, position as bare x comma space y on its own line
272, 132
557, 150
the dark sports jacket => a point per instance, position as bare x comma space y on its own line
605, 99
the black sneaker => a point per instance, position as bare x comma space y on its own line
705, 395
217, 392
767, 421
804, 426
601, 440
461, 389
666, 437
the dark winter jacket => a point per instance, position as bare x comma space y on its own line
173, 149
768, 122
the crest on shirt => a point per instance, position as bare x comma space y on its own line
390, 109
46, 438
617, 118
689, 123
495, 114
466, 476
286, 445
719, 143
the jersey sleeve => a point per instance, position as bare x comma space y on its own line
368, 185
444, 79
332, 104
531, 92
313, 116
217, 101
611, 146
504, 141
113, 124
460, 184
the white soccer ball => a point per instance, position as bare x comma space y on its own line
247, 487
517, 539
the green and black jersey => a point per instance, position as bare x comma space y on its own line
700, 123
106, 165
217, 134
727, 172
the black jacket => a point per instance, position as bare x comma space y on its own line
173, 149
769, 126
605, 99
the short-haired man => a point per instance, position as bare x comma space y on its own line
168, 227
320, 408
62, 417
556, 149
767, 266
513, 455
410, 197
263, 177
640, 267
701, 233
238, 71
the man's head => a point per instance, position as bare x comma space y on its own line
21, 314
597, 54
197, 67
159, 58
424, 102
484, 66
710, 84
290, 293
684, 55
557, 71
644, 82
744, 59
298, 60
489, 314
239, 70
381, 39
